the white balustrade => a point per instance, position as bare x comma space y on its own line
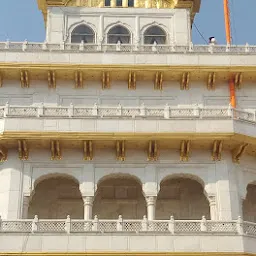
171, 226
163, 112
68, 47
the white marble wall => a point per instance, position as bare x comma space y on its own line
224, 183
62, 21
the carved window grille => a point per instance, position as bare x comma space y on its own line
154, 34
119, 3
119, 34
83, 33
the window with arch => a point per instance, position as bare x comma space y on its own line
119, 34
130, 3
107, 3
119, 3
82, 33
154, 34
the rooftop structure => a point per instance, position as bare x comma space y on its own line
118, 136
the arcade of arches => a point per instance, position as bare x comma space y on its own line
183, 198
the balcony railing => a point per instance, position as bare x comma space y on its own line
127, 48
171, 226
121, 112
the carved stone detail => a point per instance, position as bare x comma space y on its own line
88, 150
152, 151
55, 150
184, 150
105, 80
211, 81
238, 152
158, 81
184, 85
79, 79
24, 79
132, 81
51, 79
216, 150
23, 150
120, 150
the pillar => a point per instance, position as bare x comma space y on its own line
26, 200
136, 3
151, 207
213, 207
113, 3
125, 3
88, 203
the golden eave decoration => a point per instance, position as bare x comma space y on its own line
194, 5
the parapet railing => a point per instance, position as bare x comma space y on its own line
171, 226
119, 112
82, 47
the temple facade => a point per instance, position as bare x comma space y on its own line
119, 135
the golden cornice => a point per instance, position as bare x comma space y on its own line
103, 73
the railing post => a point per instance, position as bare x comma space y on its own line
119, 110
142, 110
240, 226
62, 45
68, 225
144, 224
24, 45
246, 47
81, 46
95, 223
167, 111
204, 224
44, 46
228, 48
6, 109
7, 44
95, 110
171, 225
35, 224
40, 110
119, 224
191, 47
230, 111
71, 110
211, 48
196, 111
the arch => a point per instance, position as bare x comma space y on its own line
56, 196
83, 32
118, 33
119, 194
154, 34
249, 203
182, 196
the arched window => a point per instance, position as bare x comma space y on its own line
154, 34
119, 34
107, 3
82, 33
130, 3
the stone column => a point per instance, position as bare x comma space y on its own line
88, 203
113, 3
151, 207
213, 207
26, 200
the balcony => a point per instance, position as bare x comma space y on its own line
127, 235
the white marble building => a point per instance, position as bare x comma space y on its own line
117, 135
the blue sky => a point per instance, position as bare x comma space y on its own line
21, 19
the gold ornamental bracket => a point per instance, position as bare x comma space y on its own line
55, 150
3, 154
211, 81
185, 80
152, 151
23, 149
132, 81
105, 80
79, 83
159, 81
184, 150
52, 79
217, 150
88, 150
120, 150
24, 79
239, 152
